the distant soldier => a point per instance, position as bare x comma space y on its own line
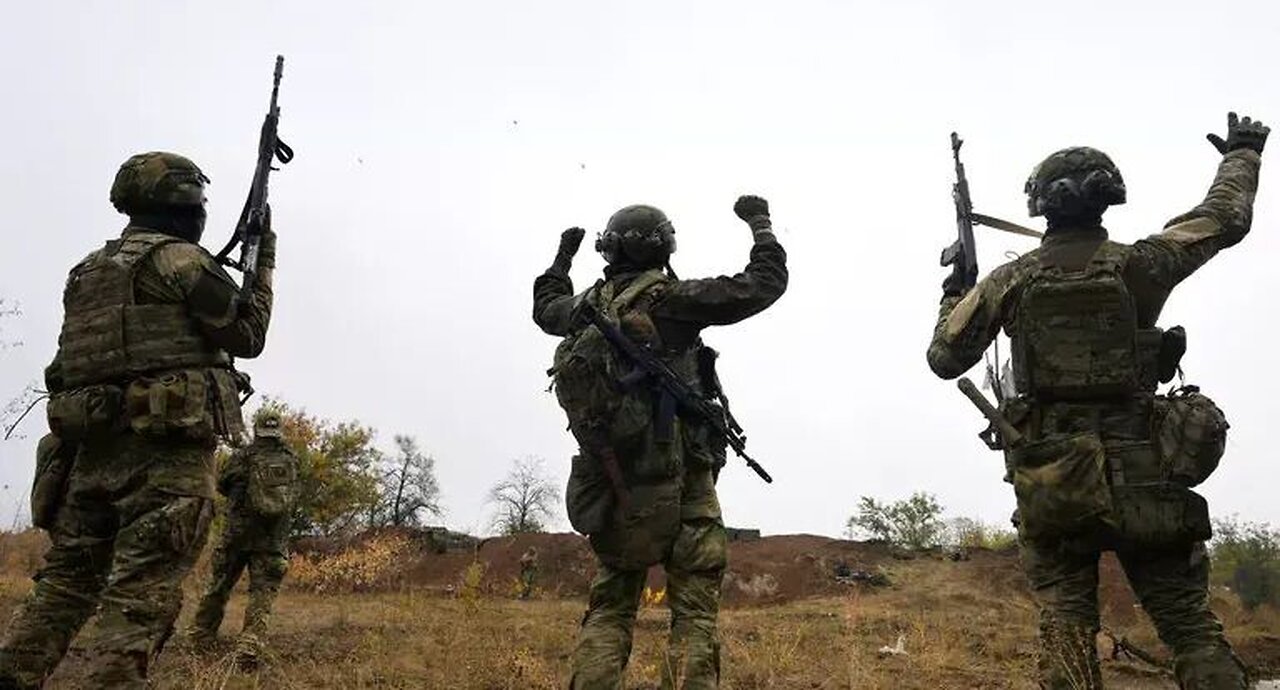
528, 571
260, 482
141, 389
643, 485
1095, 472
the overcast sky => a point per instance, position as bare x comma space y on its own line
442, 147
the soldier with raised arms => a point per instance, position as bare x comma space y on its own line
1098, 460
643, 484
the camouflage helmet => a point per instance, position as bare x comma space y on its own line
638, 233
157, 181
266, 424
1073, 181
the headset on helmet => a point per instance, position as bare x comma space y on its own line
1073, 181
157, 181
638, 234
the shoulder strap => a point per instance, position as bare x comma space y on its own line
638, 286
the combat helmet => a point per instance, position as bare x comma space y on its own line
637, 234
1074, 181
157, 181
266, 424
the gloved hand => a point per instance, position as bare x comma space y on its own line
954, 284
755, 211
570, 240
748, 207
1241, 134
267, 243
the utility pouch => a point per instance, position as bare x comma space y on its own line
1190, 434
644, 534
1173, 345
1160, 514
1061, 485
54, 459
91, 412
589, 496
174, 404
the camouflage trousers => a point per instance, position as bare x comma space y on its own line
266, 571
134, 518
694, 570
1173, 587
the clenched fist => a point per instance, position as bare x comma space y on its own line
570, 240
749, 206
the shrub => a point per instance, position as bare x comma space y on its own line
1246, 557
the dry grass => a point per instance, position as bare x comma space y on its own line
964, 625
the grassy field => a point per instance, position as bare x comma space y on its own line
964, 625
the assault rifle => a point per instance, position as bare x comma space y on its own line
962, 255
248, 232
674, 392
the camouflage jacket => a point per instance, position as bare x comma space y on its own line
685, 307
967, 325
679, 313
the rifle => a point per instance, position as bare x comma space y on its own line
674, 392
962, 254
248, 233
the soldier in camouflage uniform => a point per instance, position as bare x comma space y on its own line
1081, 312
141, 389
260, 482
660, 505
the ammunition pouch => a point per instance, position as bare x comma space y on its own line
1061, 485
54, 459
1190, 434
194, 404
1158, 515
86, 413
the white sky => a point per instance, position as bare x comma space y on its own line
442, 147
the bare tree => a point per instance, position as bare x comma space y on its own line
16, 409
409, 486
526, 499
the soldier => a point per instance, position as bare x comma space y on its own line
141, 389
261, 483
528, 571
643, 485
1081, 311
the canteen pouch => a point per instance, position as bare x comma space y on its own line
54, 459
1061, 486
90, 412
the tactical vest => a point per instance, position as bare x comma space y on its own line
1076, 334
587, 371
107, 337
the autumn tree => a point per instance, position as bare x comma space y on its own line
525, 500
338, 471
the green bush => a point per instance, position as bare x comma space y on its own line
1246, 558
914, 523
